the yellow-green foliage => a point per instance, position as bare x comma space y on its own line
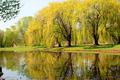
99, 13
52, 24
33, 33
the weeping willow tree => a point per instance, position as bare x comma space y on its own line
32, 35
64, 21
73, 22
57, 24
99, 13
66, 18
49, 32
44, 28
113, 25
46, 17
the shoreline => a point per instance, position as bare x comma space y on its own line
63, 49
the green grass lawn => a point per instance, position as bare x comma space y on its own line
86, 48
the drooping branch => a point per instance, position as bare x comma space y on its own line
9, 9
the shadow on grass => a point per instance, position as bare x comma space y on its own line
99, 46
78, 46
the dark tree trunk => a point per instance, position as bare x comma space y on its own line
95, 30
96, 38
68, 68
59, 44
94, 73
69, 43
96, 67
69, 38
118, 40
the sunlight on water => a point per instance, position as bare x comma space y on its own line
13, 75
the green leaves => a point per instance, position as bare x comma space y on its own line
100, 12
9, 9
72, 22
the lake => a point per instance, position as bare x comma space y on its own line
36, 65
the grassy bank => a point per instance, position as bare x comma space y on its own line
85, 48
17, 49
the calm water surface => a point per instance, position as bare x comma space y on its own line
59, 66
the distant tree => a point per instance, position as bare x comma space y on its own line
11, 37
1, 38
22, 27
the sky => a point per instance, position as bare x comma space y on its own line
29, 8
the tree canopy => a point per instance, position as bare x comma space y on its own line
69, 23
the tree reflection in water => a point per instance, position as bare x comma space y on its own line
67, 69
94, 72
1, 73
113, 71
62, 66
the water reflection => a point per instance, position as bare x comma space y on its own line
59, 66
67, 69
94, 71
1, 73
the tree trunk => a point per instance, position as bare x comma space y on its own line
69, 38
59, 44
118, 40
95, 32
96, 70
69, 41
68, 69
96, 37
